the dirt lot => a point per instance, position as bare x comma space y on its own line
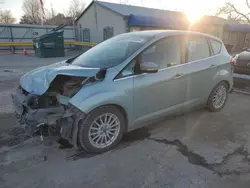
199, 149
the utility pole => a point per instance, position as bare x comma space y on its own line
42, 12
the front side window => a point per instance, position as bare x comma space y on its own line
165, 53
216, 46
197, 48
129, 70
112, 51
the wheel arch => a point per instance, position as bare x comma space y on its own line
121, 109
124, 112
225, 81
100, 109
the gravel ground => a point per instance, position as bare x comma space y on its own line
198, 149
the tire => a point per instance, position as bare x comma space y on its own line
89, 129
211, 104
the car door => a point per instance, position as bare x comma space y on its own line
162, 92
200, 68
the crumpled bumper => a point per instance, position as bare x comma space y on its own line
68, 119
29, 116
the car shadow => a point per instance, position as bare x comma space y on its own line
127, 140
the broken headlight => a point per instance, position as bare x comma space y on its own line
33, 101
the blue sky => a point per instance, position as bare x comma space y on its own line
188, 6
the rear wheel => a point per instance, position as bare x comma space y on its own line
218, 97
102, 129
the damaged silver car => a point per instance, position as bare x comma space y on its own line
122, 84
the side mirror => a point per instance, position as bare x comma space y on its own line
148, 67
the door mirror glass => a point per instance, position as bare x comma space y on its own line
149, 67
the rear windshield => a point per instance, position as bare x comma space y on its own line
113, 51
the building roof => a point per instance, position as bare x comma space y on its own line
150, 17
215, 20
127, 10
237, 27
143, 16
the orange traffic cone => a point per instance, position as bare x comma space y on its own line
24, 51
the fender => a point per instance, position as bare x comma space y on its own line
88, 104
224, 75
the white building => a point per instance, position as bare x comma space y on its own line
101, 20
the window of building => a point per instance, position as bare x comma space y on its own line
86, 35
108, 32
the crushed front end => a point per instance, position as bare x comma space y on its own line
52, 109
42, 99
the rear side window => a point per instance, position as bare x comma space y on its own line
216, 46
197, 48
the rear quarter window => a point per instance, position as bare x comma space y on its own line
216, 46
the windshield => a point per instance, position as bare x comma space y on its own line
112, 52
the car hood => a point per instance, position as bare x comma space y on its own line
38, 80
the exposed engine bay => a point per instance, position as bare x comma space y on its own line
61, 89
52, 109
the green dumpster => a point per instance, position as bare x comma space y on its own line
49, 45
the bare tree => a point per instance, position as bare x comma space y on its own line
33, 11
75, 9
232, 12
6, 17
50, 13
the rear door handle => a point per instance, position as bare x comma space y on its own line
213, 65
179, 75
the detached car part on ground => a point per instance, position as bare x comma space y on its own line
122, 84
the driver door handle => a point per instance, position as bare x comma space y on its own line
179, 75
213, 65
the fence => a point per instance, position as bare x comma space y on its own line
22, 35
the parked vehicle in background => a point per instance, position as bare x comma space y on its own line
125, 83
241, 63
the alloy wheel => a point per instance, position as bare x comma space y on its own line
104, 130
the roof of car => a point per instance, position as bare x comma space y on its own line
173, 32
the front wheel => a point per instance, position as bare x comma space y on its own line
102, 129
218, 97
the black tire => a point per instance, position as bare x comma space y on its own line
210, 104
86, 123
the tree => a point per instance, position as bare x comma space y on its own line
6, 17
232, 12
25, 20
76, 7
32, 11
56, 20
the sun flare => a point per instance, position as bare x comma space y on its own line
194, 16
